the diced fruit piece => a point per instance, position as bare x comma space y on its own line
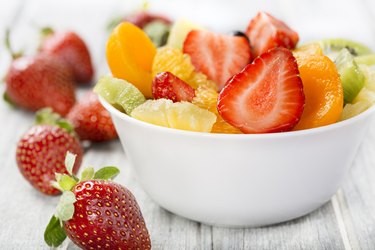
266, 96
130, 54
352, 78
174, 61
307, 50
166, 85
331, 47
179, 64
266, 32
71, 48
179, 31
91, 120
366, 97
368, 60
217, 56
179, 115
323, 92
121, 94
199, 79
206, 98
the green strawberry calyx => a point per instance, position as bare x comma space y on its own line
46, 116
55, 234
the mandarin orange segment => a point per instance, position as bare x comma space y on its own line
323, 92
130, 54
174, 61
206, 98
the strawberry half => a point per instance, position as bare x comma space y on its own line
266, 32
97, 213
266, 96
166, 85
217, 56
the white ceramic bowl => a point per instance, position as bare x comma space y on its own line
240, 180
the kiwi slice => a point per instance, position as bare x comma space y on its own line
368, 60
121, 94
332, 47
352, 78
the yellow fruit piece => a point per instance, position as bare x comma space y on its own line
174, 61
179, 115
179, 64
179, 31
130, 54
307, 50
206, 98
323, 92
199, 79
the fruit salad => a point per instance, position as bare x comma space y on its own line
259, 80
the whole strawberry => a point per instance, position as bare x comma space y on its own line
71, 48
41, 151
35, 82
91, 120
97, 213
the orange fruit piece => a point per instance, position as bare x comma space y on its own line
130, 54
206, 97
173, 60
324, 97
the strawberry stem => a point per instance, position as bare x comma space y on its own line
8, 46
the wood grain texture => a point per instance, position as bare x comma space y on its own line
348, 223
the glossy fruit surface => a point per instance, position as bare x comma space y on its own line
106, 216
179, 115
130, 54
41, 153
323, 92
266, 96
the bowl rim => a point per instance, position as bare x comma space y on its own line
112, 110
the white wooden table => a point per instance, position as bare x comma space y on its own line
346, 222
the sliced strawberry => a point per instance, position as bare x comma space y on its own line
266, 96
266, 32
166, 85
217, 56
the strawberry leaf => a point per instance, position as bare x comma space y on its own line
69, 162
66, 182
8, 100
47, 117
107, 173
65, 208
87, 174
54, 234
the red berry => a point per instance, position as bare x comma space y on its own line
107, 216
266, 32
41, 153
41, 81
143, 18
217, 56
166, 85
267, 96
91, 120
70, 47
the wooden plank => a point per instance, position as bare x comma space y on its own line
316, 231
